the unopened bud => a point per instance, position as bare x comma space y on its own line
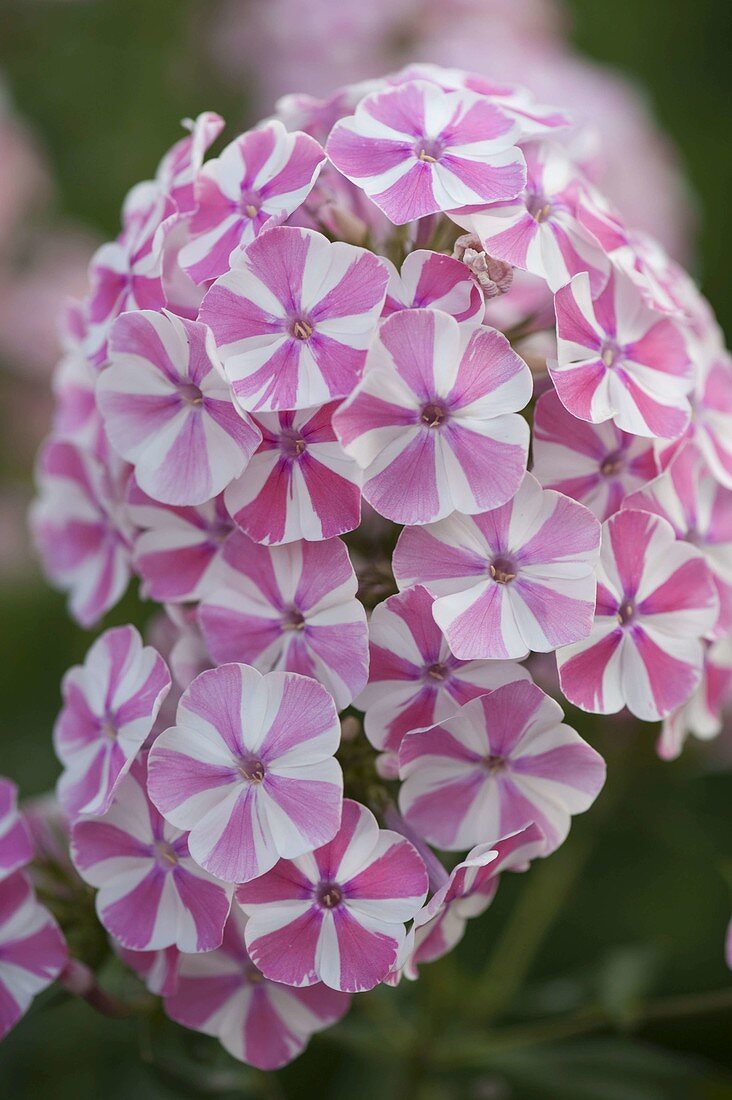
492, 275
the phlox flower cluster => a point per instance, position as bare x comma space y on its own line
376, 403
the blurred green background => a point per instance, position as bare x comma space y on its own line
601, 975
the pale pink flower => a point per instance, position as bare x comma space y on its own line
293, 322
702, 716
263, 1023
434, 422
249, 769
76, 416
300, 484
16, 847
700, 511
539, 231
110, 705
177, 551
430, 280
291, 608
501, 761
596, 464
414, 680
81, 528
655, 603
337, 914
416, 149
263, 175
620, 360
469, 890
515, 579
32, 949
168, 409
150, 893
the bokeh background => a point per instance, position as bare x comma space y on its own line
599, 977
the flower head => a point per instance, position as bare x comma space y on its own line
16, 847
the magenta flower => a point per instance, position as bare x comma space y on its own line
260, 1022
249, 770
110, 705
292, 608
168, 409
700, 510
151, 895
16, 847
499, 762
702, 714
655, 603
620, 360
505, 582
177, 551
597, 464
539, 231
294, 320
80, 527
468, 892
32, 949
414, 680
263, 175
416, 149
430, 280
336, 915
434, 422
300, 484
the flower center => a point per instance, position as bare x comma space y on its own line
108, 729
626, 612
190, 394
165, 854
329, 895
252, 976
292, 619
292, 445
252, 769
503, 570
539, 207
493, 764
428, 150
609, 353
611, 465
301, 328
436, 672
433, 414
250, 203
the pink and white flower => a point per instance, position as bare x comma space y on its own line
299, 484
700, 511
499, 762
80, 527
336, 915
702, 716
265, 174
150, 893
157, 969
177, 551
597, 464
539, 231
431, 280
655, 603
292, 608
710, 427
32, 949
416, 149
515, 579
110, 705
168, 409
16, 847
468, 892
249, 770
294, 320
434, 422
620, 360
263, 1023
414, 680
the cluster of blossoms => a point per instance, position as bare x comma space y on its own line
300, 410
